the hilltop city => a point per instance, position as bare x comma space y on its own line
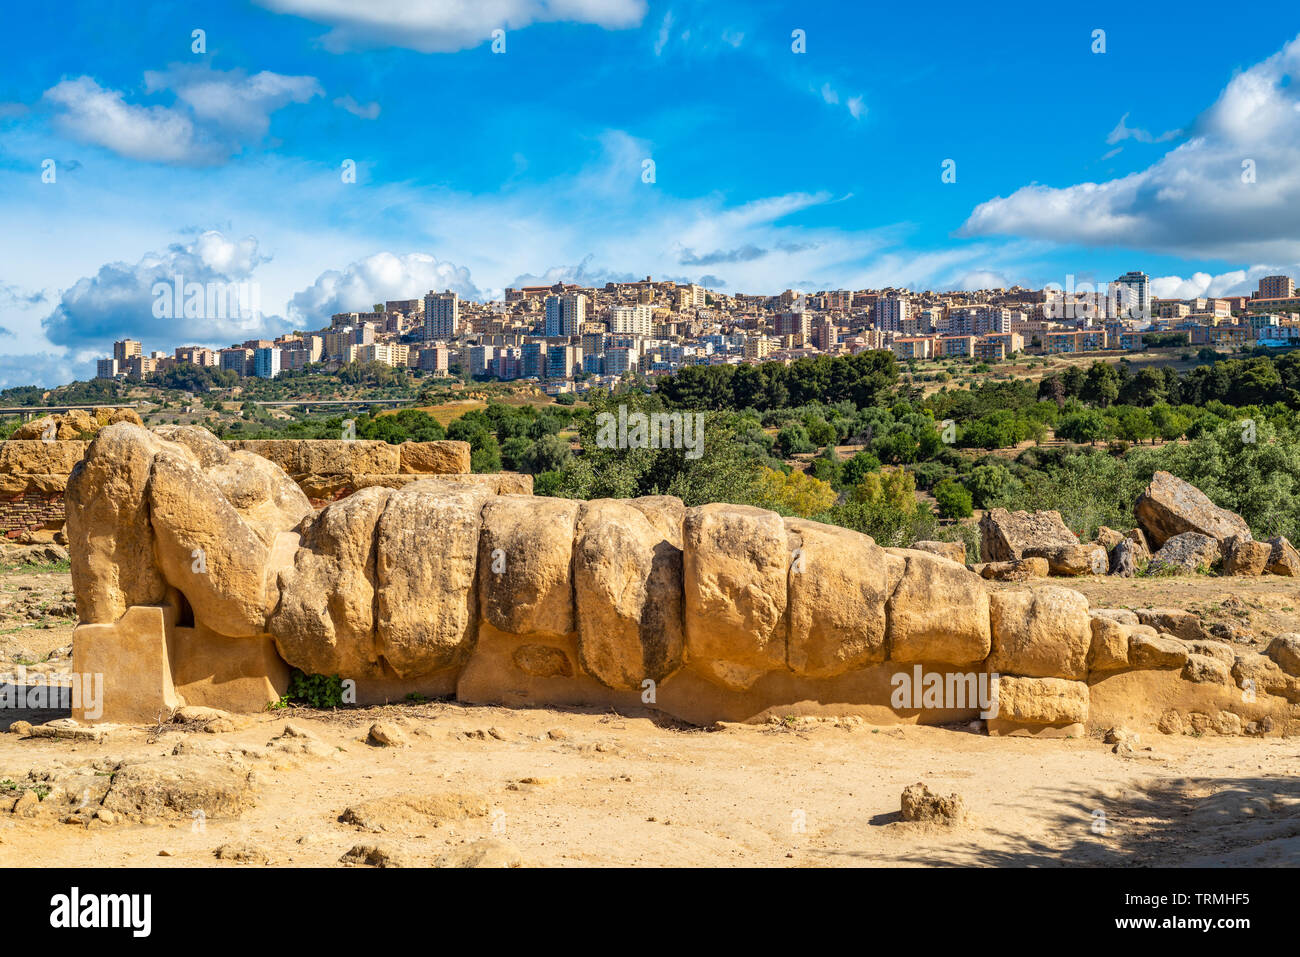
572, 338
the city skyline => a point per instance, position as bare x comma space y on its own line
476, 170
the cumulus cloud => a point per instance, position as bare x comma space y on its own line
378, 278
214, 115
90, 113
231, 100
119, 300
1236, 282
1231, 191
445, 27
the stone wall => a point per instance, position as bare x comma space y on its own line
190, 559
34, 473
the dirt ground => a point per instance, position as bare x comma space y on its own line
554, 788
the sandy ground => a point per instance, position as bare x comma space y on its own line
575, 788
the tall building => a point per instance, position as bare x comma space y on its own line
565, 314
1276, 287
635, 320
1134, 295
794, 324
124, 350
441, 315
106, 369
237, 360
562, 362
266, 362
532, 360
892, 312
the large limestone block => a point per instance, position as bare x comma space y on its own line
1170, 506
435, 458
110, 537
734, 576
954, 551
207, 448
242, 675
204, 547
1043, 633
1108, 650
627, 571
263, 495
1162, 651
1285, 650
124, 668
283, 452
325, 620
1070, 560
838, 591
1016, 570
1283, 559
1258, 674
938, 611
35, 457
348, 457
1185, 554
526, 564
1243, 556
1042, 700
427, 545
667, 513
1005, 535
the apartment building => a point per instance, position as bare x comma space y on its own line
565, 315
266, 362
1276, 287
913, 347
126, 349
637, 320
441, 315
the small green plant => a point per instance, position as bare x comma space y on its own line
316, 691
42, 791
8, 785
416, 698
281, 702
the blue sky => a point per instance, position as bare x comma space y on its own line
479, 170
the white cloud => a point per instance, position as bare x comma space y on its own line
231, 100
214, 114
856, 105
1123, 131
665, 28
1237, 282
366, 111
118, 301
92, 114
449, 25
1197, 200
377, 278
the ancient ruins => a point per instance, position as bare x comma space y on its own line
204, 573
